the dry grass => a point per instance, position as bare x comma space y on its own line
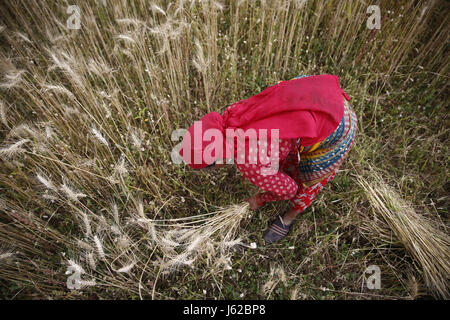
425, 239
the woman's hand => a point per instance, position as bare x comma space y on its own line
254, 202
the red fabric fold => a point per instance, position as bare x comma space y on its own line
309, 108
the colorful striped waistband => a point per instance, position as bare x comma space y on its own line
327, 156
334, 138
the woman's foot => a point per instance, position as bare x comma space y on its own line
277, 231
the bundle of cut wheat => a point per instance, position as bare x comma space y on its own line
184, 240
422, 237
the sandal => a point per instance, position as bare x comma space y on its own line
277, 231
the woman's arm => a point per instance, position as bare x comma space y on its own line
277, 186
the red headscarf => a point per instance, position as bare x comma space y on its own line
309, 108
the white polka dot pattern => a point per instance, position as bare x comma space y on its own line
278, 186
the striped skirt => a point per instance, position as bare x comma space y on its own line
324, 158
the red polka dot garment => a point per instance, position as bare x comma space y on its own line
278, 186
285, 183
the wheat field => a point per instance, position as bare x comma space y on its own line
91, 93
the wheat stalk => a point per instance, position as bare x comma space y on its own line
426, 243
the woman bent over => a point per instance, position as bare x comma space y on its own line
289, 140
